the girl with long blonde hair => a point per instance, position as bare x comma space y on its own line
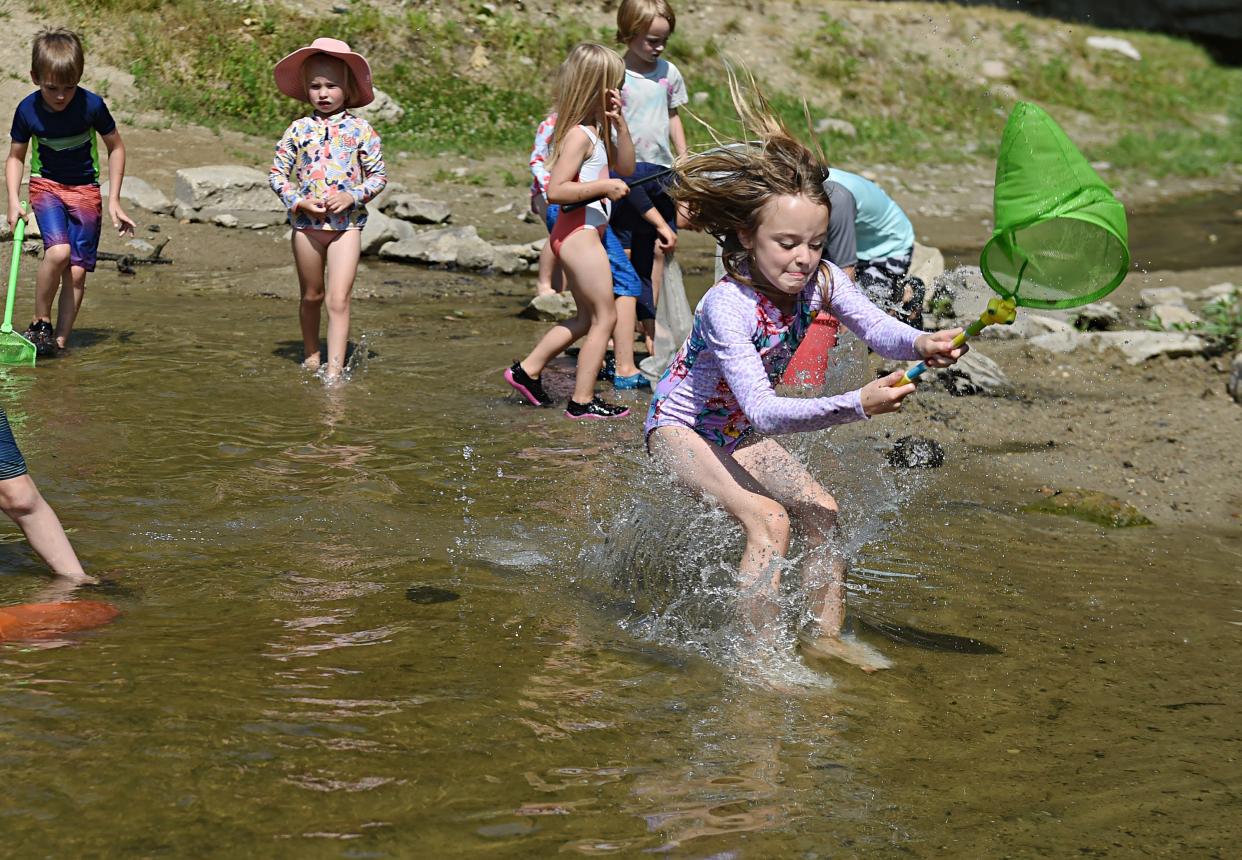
591, 136
715, 412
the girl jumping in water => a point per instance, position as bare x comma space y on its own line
715, 411
583, 148
327, 166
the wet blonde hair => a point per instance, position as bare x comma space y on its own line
582, 86
634, 17
330, 67
56, 57
725, 188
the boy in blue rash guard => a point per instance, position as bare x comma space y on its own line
872, 240
58, 124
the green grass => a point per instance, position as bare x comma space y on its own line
211, 63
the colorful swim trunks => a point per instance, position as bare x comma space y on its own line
69, 215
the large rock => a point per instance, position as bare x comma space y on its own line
975, 373
384, 109
552, 307
380, 230
1137, 346
1234, 385
417, 210
142, 194
459, 246
1026, 325
225, 187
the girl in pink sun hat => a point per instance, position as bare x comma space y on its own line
327, 166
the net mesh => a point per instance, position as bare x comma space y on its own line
1061, 235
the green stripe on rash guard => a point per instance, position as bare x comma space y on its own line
60, 144
36, 163
95, 153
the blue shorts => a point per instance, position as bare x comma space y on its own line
625, 281
68, 215
12, 464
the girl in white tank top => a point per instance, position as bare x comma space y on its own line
591, 136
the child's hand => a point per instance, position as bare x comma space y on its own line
123, 224
937, 349
311, 206
613, 111
15, 213
615, 189
667, 239
881, 396
339, 201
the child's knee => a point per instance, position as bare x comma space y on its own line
312, 296
56, 255
338, 304
19, 497
769, 522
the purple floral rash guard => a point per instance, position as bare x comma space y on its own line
721, 382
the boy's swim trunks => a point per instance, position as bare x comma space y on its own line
69, 215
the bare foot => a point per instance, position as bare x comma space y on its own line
311, 363
845, 648
544, 290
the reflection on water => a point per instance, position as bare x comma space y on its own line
272, 691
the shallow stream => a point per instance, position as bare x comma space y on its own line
271, 691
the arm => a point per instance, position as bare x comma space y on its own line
116, 175
540, 152
564, 188
668, 239
728, 319
14, 167
626, 163
676, 133
278, 176
889, 337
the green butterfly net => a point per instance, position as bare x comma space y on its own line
1060, 239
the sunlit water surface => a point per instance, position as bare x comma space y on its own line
272, 691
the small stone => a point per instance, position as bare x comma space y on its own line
1153, 296
225, 220
831, 125
994, 69
506, 208
916, 452
975, 373
553, 307
1234, 385
700, 98
1172, 317
1092, 506
1216, 292
1114, 45
1098, 316
142, 246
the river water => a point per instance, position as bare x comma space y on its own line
272, 690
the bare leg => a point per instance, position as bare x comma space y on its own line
712, 473
623, 335
815, 511
657, 276
586, 268
343, 252
53, 265
72, 291
548, 280
21, 501
309, 257
555, 341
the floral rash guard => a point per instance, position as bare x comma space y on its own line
721, 382
321, 154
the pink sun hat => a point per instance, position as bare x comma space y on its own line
289, 70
